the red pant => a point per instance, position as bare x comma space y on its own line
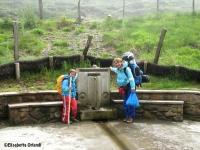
122, 90
66, 111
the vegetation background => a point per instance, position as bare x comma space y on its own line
60, 34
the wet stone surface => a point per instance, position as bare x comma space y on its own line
142, 135
161, 135
77, 136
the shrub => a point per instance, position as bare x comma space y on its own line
93, 25
38, 31
6, 23
28, 18
31, 44
64, 22
68, 29
60, 43
79, 30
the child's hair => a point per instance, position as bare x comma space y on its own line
72, 70
117, 60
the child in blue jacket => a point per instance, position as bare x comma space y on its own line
69, 96
126, 84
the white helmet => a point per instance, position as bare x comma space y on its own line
128, 56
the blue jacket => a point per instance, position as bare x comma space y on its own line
122, 78
65, 86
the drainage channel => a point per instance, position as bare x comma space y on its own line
119, 140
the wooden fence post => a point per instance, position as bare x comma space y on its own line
123, 8
51, 66
193, 6
15, 35
160, 43
158, 3
79, 11
17, 71
145, 66
87, 46
41, 9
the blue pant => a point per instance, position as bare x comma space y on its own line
128, 109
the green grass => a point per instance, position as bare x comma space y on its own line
46, 80
30, 44
181, 44
38, 31
28, 18
139, 34
6, 44
60, 43
65, 22
160, 83
79, 29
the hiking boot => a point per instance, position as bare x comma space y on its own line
130, 120
75, 120
125, 119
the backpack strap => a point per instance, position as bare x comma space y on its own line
125, 71
135, 69
132, 67
66, 77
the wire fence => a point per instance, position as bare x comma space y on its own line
98, 8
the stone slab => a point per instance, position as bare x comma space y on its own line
34, 104
155, 109
152, 102
101, 114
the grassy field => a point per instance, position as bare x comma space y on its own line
46, 80
181, 45
112, 37
32, 82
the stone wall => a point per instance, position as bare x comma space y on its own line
156, 110
32, 113
16, 97
191, 108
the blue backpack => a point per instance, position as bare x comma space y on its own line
137, 74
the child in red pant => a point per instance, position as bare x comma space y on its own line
69, 97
